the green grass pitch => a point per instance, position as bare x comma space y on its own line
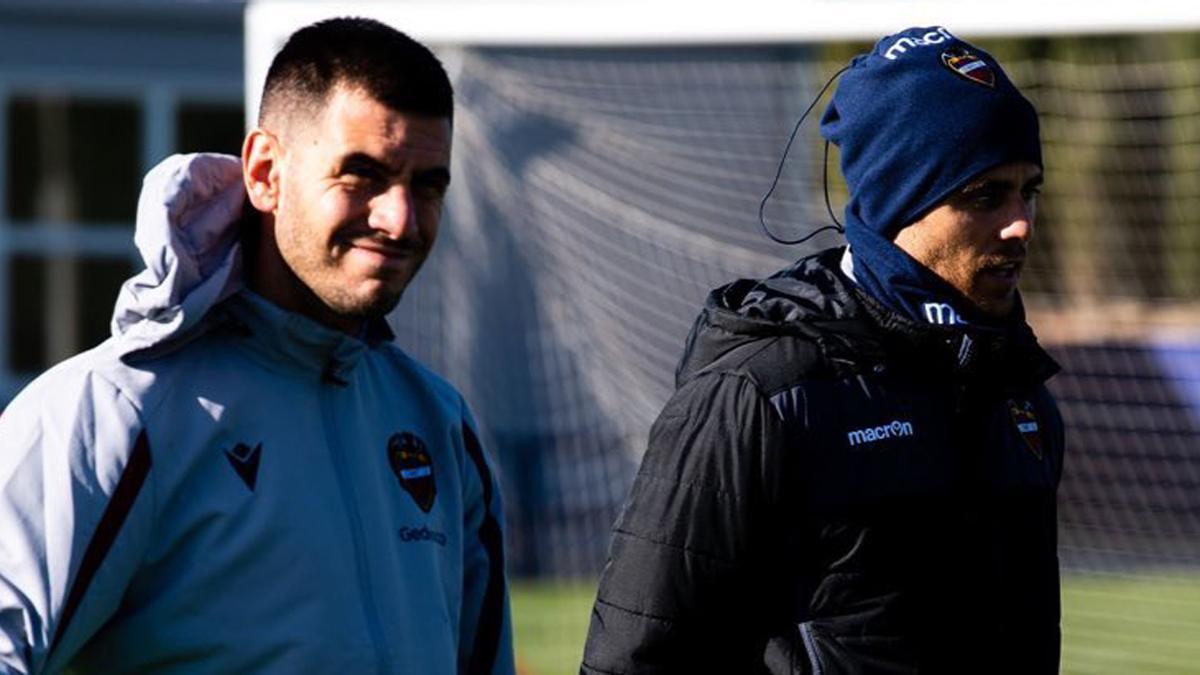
1144, 624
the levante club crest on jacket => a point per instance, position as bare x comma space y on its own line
413, 467
969, 66
1027, 425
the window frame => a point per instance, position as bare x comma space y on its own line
158, 101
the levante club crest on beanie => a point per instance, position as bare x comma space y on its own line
919, 116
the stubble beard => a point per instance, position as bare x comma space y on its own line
347, 298
320, 284
349, 305
994, 304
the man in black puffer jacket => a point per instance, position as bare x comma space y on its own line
857, 472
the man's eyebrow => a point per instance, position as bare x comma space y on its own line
983, 184
363, 159
438, 175
992, 183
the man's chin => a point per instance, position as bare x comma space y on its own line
996, 306
374, 302
375, 307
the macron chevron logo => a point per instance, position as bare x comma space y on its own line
244, 460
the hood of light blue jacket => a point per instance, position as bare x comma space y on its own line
187, 233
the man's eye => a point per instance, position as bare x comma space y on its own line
980, 200
430, 189
362, 173
988, 202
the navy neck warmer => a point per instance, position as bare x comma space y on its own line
917, 118
906, 286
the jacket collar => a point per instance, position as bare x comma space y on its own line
1011, 357
855, 333
289, 340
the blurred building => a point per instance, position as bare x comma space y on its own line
92, 94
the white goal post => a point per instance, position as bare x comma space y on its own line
549, 23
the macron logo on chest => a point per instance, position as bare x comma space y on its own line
894, 429
244, 461
941, 314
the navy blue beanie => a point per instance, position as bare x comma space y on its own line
919, 116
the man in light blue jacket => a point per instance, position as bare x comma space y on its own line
249, 477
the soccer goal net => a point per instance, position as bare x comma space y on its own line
607, 174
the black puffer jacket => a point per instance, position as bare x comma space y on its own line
834, 488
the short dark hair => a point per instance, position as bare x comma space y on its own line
391, 67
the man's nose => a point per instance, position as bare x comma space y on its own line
1020, 223
392, 213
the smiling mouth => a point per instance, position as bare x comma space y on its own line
388, 251
1009, 271
383, 262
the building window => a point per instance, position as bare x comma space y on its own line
73, 167
209, 127
60, 305
72, 173
72, 162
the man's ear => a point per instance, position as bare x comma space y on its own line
261, 154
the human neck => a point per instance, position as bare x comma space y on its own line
269, 276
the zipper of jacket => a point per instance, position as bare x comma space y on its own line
810, 646
357, 531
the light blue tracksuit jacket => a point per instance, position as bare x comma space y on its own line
226, 487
